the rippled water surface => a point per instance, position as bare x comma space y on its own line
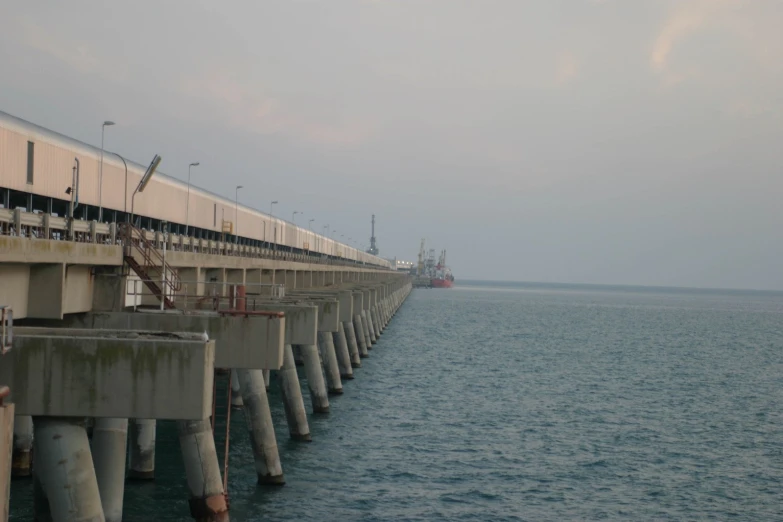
530, 402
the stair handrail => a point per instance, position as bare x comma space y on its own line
135, 237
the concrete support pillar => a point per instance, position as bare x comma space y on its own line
267, 378
315, 378
295, 413
262, 431
290, 279
331, 366
65, 469
6, 456
353, 347
371, 326
207, 502
142, 449
23, 445
109, 446
343, 354
376, 321
366, 330
361, 340
236, 392
379, 317
41, 510
385, 311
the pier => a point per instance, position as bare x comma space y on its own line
119, 310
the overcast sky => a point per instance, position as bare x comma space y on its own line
596, 141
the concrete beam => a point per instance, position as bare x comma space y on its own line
57, 372
344, 300
358, 301
250, 342
15, 249
301, 320
47, 285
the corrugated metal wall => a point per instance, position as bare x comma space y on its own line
164, 198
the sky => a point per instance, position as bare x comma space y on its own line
588, 141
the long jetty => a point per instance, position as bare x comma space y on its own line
107, 326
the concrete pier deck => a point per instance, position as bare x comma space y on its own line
60, 372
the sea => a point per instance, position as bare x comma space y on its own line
516, 402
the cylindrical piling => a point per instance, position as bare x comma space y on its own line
41, 510
236, 393
207, 502
358, 331
379, 317
295, 413
366, 331
371, 327
343, 354
385, 312
331, 366
142, 449
315, 378
23, 444
65, 469
109, 445
353, 347
376, 321
259, 423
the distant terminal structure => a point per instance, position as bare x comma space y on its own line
402, 266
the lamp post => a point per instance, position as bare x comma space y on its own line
293, 216
236, 214
271, 214
310, 224
125, 206
145, 179
187, 211
106, 123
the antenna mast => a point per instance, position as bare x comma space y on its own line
373, 247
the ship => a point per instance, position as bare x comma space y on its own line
432, 274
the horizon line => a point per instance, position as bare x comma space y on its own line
625, 285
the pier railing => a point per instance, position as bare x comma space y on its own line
210, 295
35, 225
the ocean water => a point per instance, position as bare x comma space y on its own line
529, 402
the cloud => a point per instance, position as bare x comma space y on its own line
567, 68
687, 18
748, 108
246, 106
73, 54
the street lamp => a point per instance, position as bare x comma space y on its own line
236, 214
125, 206
310, 224
187, 212
271, 208
293, 216
106, 123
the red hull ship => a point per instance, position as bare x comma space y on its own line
432, 274
442, 283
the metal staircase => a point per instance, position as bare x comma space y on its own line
135, 243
